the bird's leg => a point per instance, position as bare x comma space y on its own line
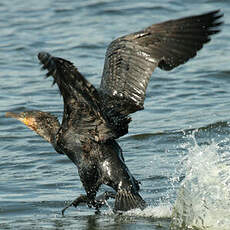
98, 202
101, 199
76, 202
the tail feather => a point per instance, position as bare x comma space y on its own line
126, 200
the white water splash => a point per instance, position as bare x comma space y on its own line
157, 212
163, 211
203, 201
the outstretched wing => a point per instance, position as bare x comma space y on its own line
82, 109
130, 60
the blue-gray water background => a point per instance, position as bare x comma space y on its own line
35, 182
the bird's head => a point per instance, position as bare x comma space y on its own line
43, 123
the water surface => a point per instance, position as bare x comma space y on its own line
35, 182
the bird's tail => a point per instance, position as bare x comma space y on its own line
126, 200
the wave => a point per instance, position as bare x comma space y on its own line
184, 132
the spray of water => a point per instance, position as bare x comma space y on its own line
161, 211
203, 200
203, 197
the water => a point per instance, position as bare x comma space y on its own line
204, 194
162, 149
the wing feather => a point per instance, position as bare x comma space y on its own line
83, 110
130, 60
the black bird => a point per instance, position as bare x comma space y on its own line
94, 118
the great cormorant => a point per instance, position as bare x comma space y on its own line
94, 118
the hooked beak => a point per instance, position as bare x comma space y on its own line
28, 121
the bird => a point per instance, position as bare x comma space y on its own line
94, 118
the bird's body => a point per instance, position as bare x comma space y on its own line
104, 164
94, 118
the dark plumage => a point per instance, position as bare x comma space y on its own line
94, 118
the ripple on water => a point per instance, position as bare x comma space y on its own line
35, 182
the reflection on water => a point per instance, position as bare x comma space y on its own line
204, 195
